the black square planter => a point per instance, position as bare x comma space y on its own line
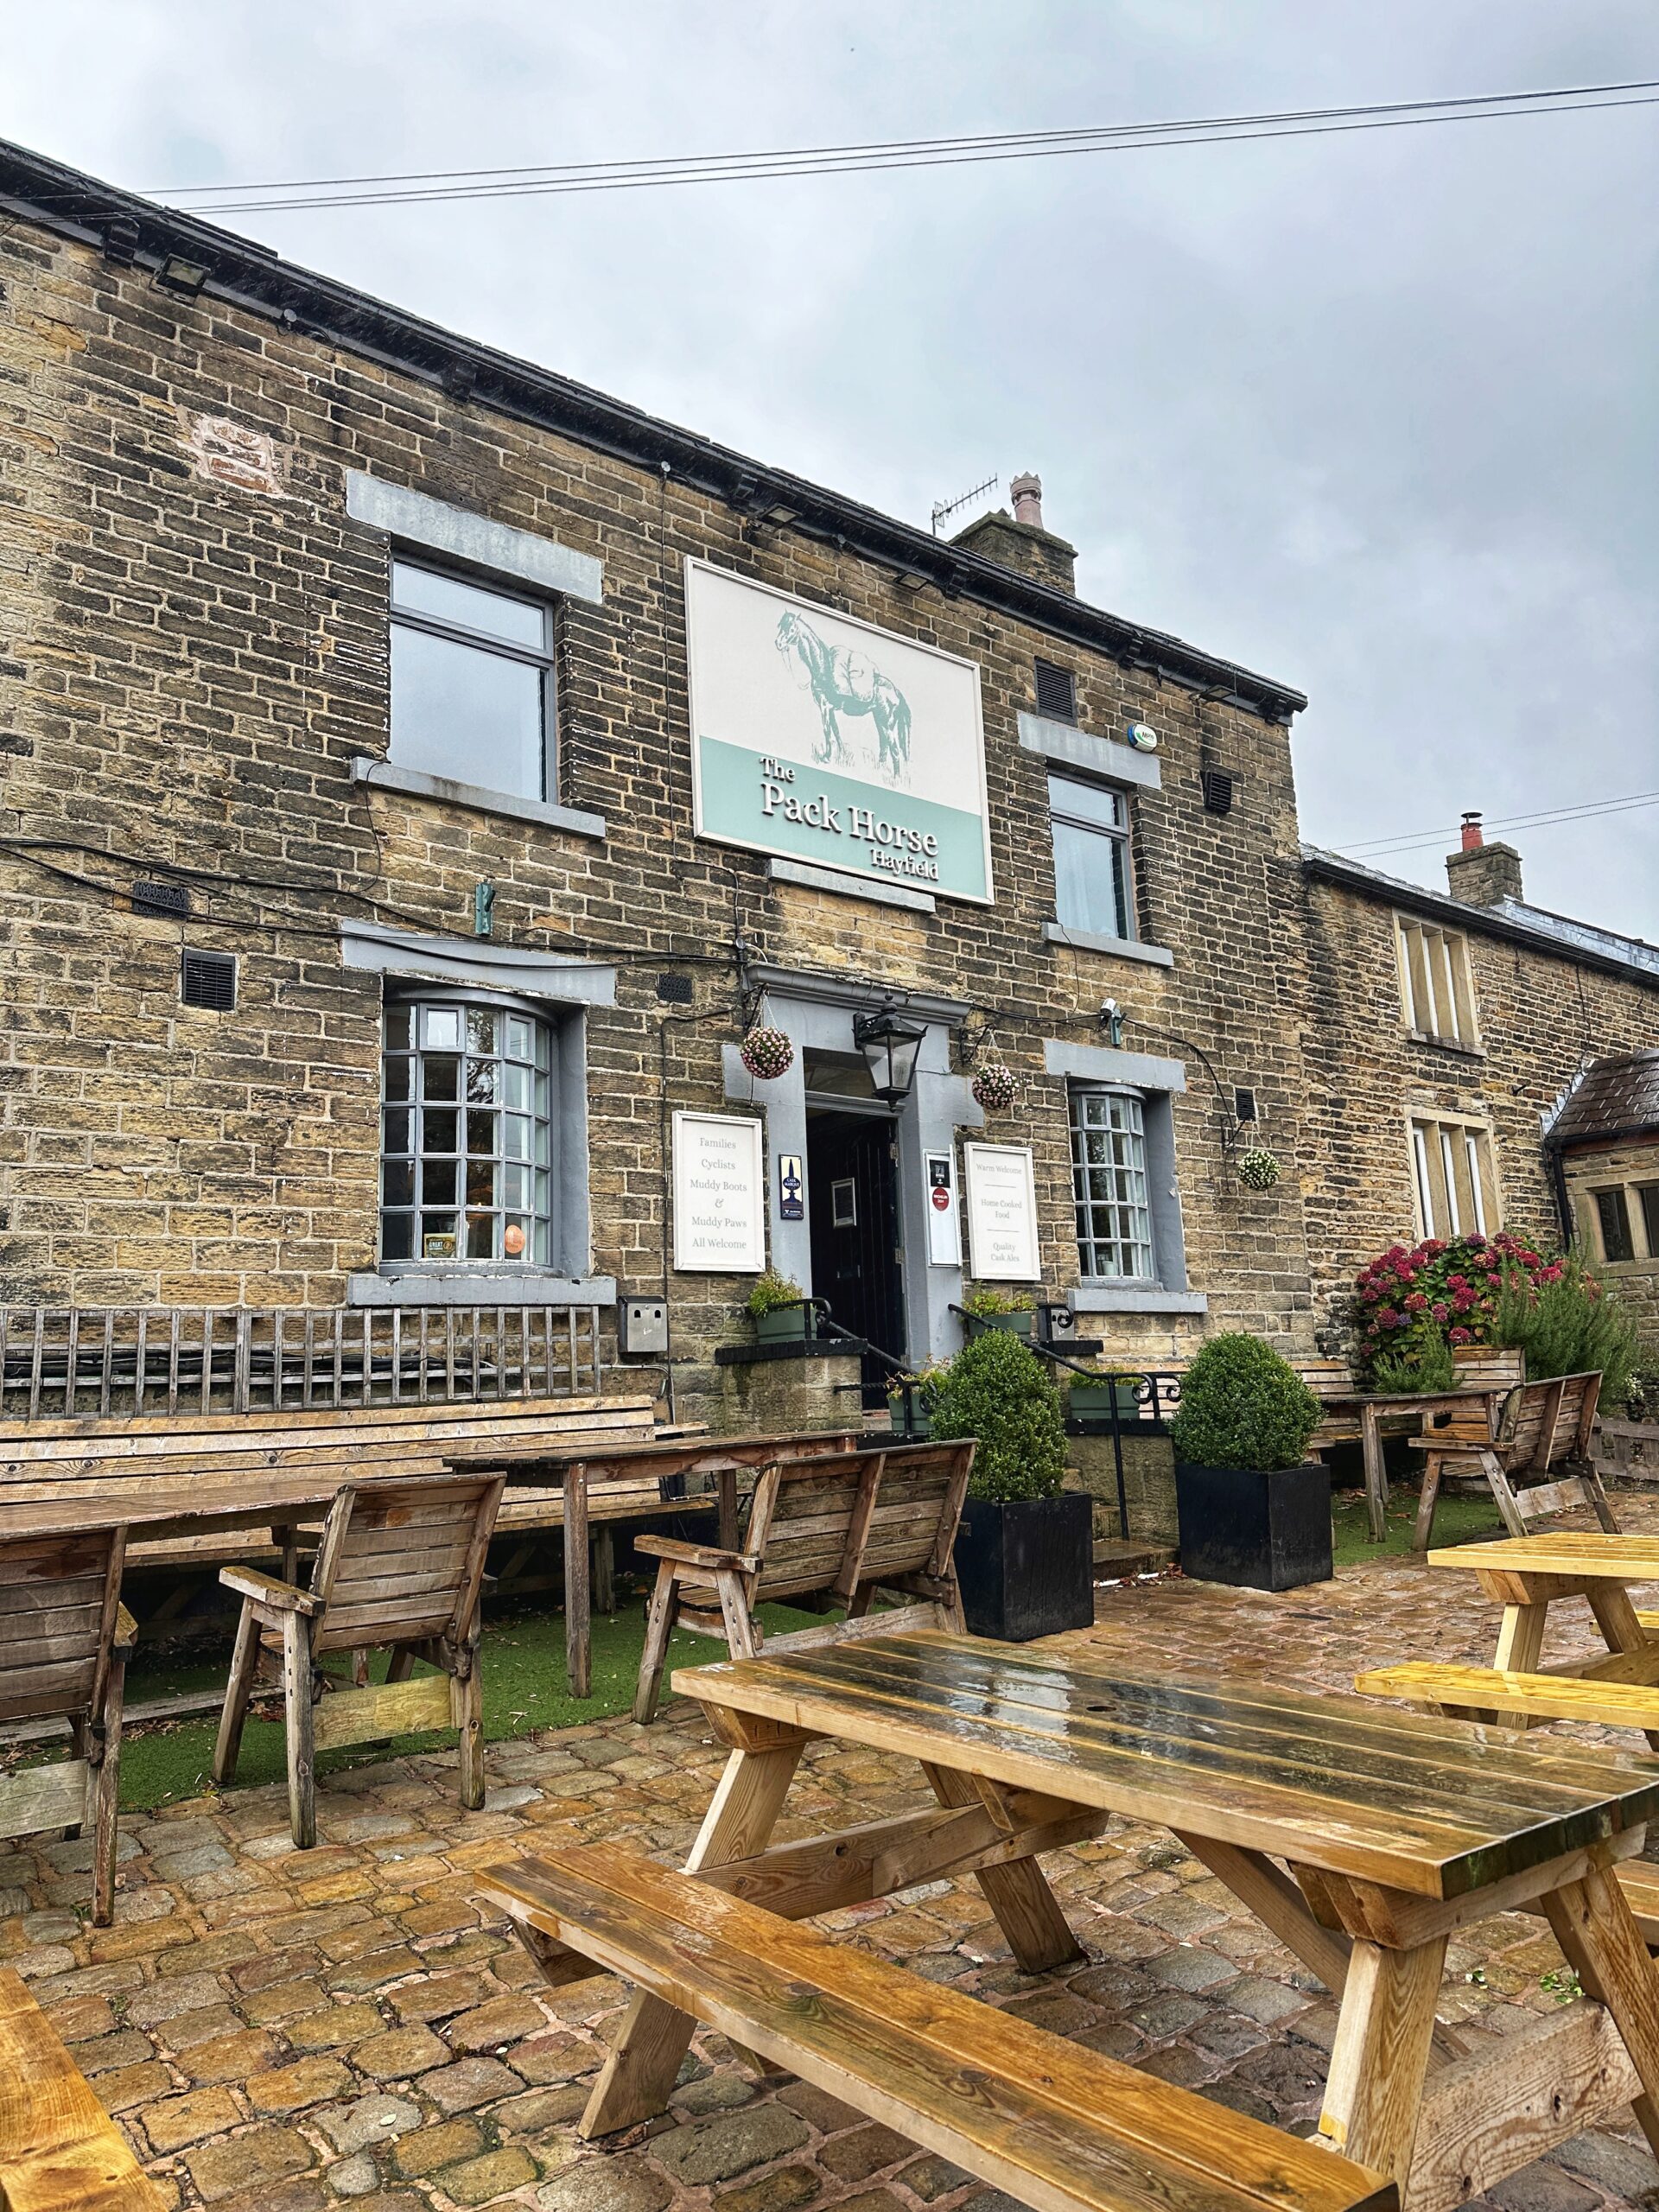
1027, 1568
1267, 1531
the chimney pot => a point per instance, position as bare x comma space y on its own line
1026, 493
1472, 840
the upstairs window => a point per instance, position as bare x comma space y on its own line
1109, 1186
1452, 1171
472, 683
467, 1132
1057, 692
1437, 994
1091, 858
1614, 1217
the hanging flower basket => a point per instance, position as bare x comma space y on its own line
1258, 1170
766, 1053
994, 1087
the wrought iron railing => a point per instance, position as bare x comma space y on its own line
172, 1359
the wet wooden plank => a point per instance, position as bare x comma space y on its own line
58, 2149
1060, 2128
1491, 1689
1385, 1817
1574, 1554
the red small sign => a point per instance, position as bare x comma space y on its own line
942, 1200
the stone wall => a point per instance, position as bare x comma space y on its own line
1601, 1168
193, 646
1540, 1014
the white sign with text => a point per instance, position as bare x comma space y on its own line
719, 1212
1001, 1213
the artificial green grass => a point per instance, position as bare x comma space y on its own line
1456, 1520
524, 1689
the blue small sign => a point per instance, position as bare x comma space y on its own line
792, 1190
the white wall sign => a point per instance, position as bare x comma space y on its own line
719, 1213
944, 1229
1001, 1213
824, 739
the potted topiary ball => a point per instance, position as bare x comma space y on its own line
1253, 1510
1024, 1553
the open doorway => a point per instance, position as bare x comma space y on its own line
852, 1210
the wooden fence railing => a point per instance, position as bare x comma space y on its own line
160, 1359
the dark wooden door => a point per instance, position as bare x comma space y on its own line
853, 1213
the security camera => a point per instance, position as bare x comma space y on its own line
1109, 1011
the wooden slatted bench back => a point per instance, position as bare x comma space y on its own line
1059, 2127
1542, 1425
58, 1601
400, 1565
59, 2150
847, 1518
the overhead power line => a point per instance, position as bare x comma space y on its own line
1420, 840
406, 187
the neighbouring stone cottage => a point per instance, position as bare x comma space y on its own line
1602, 1143
419, 772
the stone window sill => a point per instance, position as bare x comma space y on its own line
1134, 1298
411, 1285
1120, 948
384, 777
1447, 1043
1105, 757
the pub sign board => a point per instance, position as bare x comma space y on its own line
719, 1195
821, 739
1002, 1213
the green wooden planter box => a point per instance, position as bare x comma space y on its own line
1017, 1325
784, 1325
1093, 1400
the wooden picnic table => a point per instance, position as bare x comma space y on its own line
1373, 1409
1397, 1831
1528, 1574
575, 1468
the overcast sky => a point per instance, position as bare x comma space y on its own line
1374, 414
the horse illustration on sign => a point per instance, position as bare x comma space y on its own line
844, 681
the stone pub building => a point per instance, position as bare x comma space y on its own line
418, 773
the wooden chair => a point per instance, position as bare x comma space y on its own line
1536, 1429
64, 1640
399, 1566
59, 2150
839, 1526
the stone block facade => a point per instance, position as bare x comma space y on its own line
194, 693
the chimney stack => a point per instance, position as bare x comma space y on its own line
1026, 493
1021, 540
1479, 875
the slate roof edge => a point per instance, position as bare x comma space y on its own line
244, 273
1642, 961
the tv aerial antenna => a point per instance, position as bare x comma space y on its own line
944, 508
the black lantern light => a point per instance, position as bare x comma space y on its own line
890, 1044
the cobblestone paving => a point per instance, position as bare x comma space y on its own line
280, 2030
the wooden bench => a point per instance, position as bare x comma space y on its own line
59, 2150
1538, 1428
1059, 2127
64, 1640
1626, 1451
399, 1566
840, 1526
61, 1457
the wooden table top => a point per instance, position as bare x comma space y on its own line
255, 1500
682, 1455
1595, 1556
1437, 1807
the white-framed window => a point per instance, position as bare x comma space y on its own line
1093, 885
471, 683
1109, 1186
1437, 990
1453, 1176
466, 1131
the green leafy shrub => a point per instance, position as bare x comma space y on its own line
770, 1291
1425, 1364
983, 1303
1565, 1323
1242, 1406
996, 1389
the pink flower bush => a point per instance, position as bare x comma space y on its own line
1408, 1296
